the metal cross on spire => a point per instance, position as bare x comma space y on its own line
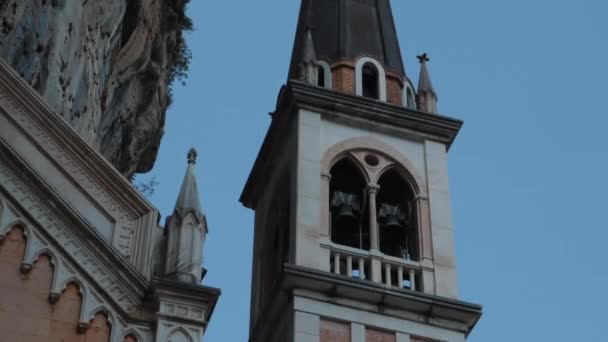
423, 58
192, 154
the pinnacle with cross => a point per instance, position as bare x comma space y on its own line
423, 58
192, 154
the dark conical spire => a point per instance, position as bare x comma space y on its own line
188, 199
344, 30
427, 97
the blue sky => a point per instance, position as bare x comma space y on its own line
527, 172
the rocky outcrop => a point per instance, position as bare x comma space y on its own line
105, 65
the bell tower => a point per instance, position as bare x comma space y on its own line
353, 234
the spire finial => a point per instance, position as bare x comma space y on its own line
423, 58
186, 230
427, 98
192, 154
308, 65
309, 48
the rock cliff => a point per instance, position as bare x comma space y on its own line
105, 65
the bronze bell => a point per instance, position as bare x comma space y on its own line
391, 217
345, 206
345, 211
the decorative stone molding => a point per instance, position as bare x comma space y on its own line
168, 331
182, 307
56, 140
371, 144
124, 224
8, 219
135, 333
64, 274
37, 245
183, 311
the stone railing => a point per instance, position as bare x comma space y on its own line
400, 273
350, 262
376, 267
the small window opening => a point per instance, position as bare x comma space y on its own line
321, 78
396, 217
348, 206
411, 103
369, 80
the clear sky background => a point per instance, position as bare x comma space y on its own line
527, 172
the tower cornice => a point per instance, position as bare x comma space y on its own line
445, 311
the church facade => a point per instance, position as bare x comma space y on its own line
353, 236
82, 254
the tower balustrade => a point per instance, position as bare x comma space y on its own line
363, 265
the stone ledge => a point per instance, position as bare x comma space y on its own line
433, 126
435, 308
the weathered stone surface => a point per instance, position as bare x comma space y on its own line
105, 65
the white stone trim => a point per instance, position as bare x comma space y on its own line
327, 74
407, 86
165, 329
179, 330
357, 332
307, 327
403, 337
15, 222
133, 332
359, 77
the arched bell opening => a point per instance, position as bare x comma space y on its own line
370, 81
348, 203
397, 216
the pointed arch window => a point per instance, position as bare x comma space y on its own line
397, 216
348, 205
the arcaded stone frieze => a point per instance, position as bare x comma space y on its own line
47, 224
32, 310
106, 66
